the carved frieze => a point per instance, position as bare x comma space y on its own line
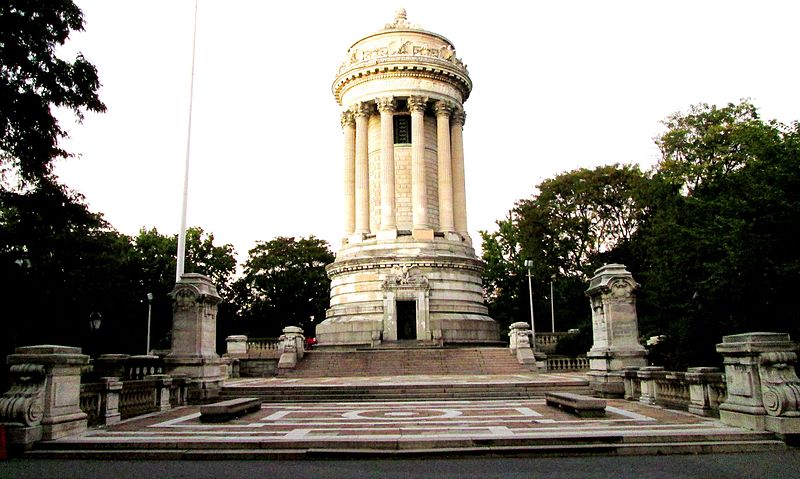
23, 403
405, 276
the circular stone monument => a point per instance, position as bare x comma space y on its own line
407, 269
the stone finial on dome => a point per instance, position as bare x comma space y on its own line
400, 20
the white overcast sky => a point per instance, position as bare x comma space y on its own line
558, 85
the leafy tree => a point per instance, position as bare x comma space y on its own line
284, 284
577, 221
719, 256
156, 259
33, 81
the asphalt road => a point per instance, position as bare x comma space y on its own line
784, 464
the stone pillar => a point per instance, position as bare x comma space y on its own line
459, 180
763, 388
419, 192
445, 173
702, 394
113, 389
615, 329
520, 344
162, 384
349, 128
236, 345
648, 376
194, 336
388, 228
292, 347
45, 399
361, 113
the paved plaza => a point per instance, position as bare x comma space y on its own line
391, 427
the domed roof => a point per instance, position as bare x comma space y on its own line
401, 47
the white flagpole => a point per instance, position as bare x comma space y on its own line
182, 233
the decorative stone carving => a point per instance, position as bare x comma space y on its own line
402, 275
23, 402
459, 117
386, 104
348, 119
615, 329
763, 388
291, 347
443, 108
362, 109
417, 103
194, 336
520, 344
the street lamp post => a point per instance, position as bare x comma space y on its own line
149, 315
95, 320
552, 304
529, 264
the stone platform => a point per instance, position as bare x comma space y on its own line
370, 428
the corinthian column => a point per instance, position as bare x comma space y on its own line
361, 113
386, 108
459, 187
349, 127
419, 193
445, 175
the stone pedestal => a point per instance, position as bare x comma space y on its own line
763, 388
45, 399
615, 329
194, 335
292, 347
520, 345
236, 345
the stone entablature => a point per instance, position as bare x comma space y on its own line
402, 50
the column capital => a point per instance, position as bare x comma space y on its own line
443, 108
361, 109
417, 103
386, 104
347, 119
459, 117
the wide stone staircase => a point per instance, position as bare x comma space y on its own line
438, 374
398, 362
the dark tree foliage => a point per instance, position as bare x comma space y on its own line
577, 221
720, 255
284, 284
711, 235
33, 81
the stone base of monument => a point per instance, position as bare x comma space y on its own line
21, 439
207, 376
606, 384
407, 288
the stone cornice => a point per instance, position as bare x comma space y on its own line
439, 264
398, 68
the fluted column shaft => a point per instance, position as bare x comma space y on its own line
386, 107
361, 113
459, 183
349, 128
445, 174
419, 192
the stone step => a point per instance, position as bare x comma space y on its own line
611, 445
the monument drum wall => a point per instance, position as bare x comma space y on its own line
407, 269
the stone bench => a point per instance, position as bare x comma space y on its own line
226, 410
583, 406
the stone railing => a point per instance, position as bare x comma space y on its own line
564, 363
100, 401
263, 344
138, 367
143, 396
698, 390
546, 342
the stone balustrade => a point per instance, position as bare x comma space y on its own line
564, 363
698, 390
